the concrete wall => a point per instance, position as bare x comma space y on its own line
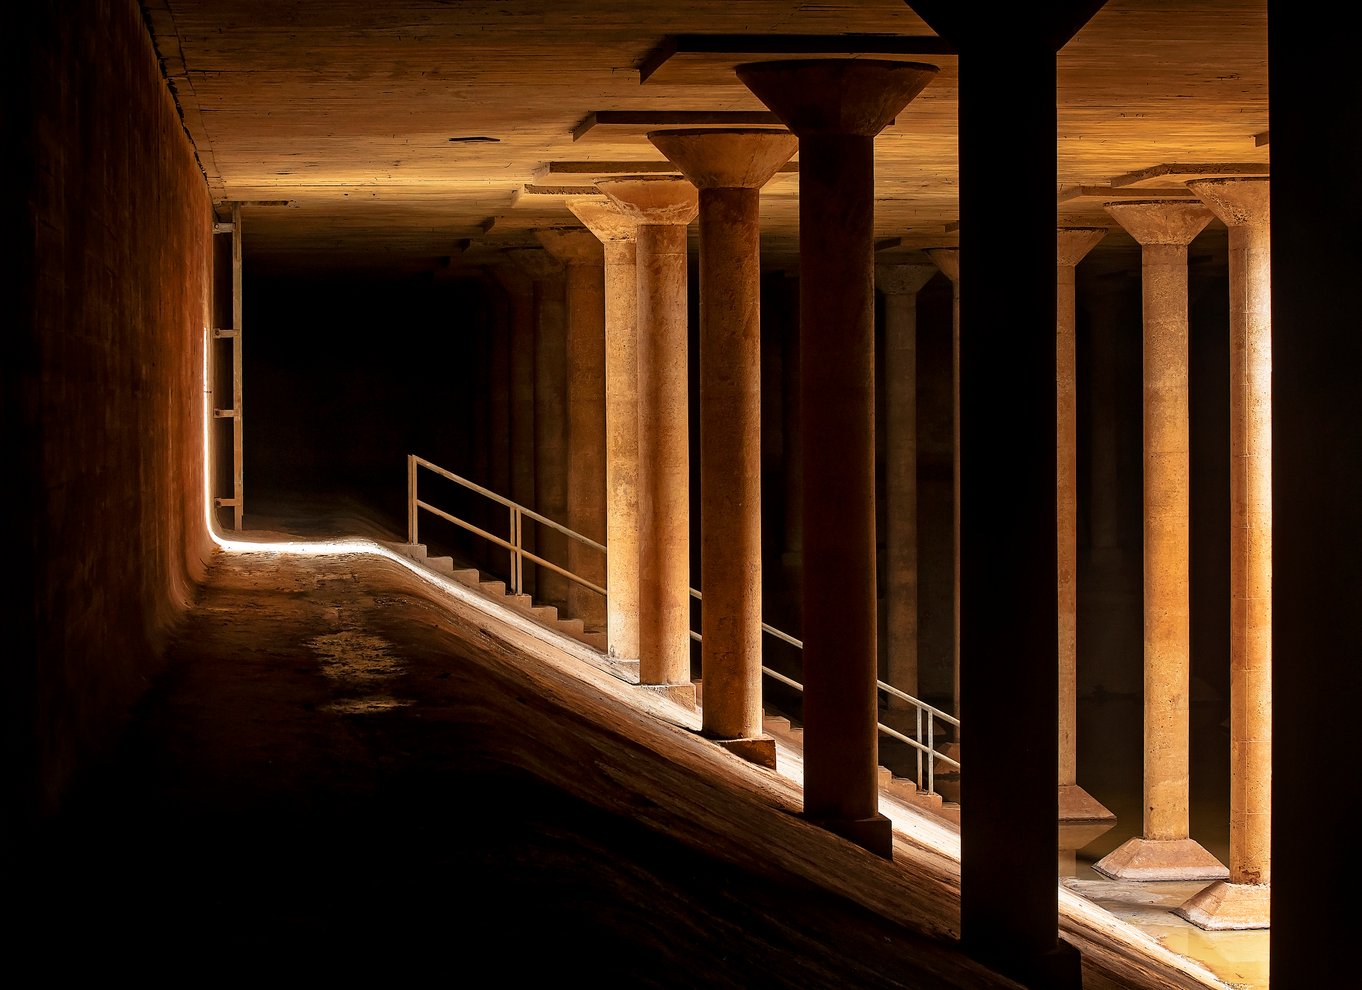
110, 221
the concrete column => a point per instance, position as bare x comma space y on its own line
550, 416
520, 302
580, 254
1242, 901
729, 167
616, 233
1075, 804
499, 415
836, 107
662, 206
792, 551
948, 260
899, 285
1165, 850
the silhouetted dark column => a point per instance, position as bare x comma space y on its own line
1009, 915
520, 301
550, 416
1316, 494
898, 284
580, 253
729, 167
1075, 803
836, 107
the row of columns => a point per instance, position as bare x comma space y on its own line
835, 109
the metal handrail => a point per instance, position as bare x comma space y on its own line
518, 513
927, 749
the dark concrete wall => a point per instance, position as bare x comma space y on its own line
110, 223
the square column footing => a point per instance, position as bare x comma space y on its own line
1229, 907
682, 694
1077, 805
875, 834
1161, 859
760, 750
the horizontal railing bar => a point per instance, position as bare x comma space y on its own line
890, 689
894, 733
509, 546
783, 679
530, 513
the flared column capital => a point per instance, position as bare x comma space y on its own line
571, 245
653, 200
903, 278
604, 219
1073, 243
726, 158
534, 261
848, 96
948, 260
1169, 222
1236, 202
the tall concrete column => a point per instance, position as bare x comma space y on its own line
899, 285
1242, 901
792, 474
836, 107
580, 254
1165, 850
729, 167
550, 416
948, 260
520, 306
662, 206
616, 233
1075, 804
499, 413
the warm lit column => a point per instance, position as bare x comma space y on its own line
1075, 804
836, 107
1165, 850
520, 312
663, 206
899, 285
729, 167
948, 260
1242, 901
616, 233
550, 416
580, 253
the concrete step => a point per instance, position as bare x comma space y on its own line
521, 602
467, 575
497, 589
575, 628
445, 565
595, 640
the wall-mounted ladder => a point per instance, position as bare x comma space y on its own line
224, 374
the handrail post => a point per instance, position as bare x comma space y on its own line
515, 551
931, 759
411, 499
917, 734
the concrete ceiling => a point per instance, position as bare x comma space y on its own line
356, 113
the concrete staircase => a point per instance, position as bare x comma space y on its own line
495, 590
900, 788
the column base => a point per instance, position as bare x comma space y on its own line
682, 694
1224, 907
1161, 859
760, 750
875, 834
1077, 805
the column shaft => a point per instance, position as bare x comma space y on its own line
1166, 521
837, 384
1066, 483
550, 432
730, 461
664, 511
621, 438
586, 437
900, 486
